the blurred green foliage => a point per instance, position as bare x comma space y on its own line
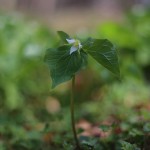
23, 76
25, 121
22, 45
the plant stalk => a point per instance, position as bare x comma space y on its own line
72, 113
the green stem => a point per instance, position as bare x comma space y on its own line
72, 113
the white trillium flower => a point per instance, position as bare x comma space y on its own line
76, 45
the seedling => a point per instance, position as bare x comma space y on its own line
67, 60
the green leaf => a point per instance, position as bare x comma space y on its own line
135, 132
63, 36
127, 146
105, 128
104, 53
146, 127
62, 65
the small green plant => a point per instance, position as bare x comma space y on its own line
68, 59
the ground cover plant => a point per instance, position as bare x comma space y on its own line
65, 61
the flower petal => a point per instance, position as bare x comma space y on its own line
71, 41
80, 46
73, 49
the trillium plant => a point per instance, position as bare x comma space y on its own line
67, 60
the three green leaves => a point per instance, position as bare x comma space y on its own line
65, 61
